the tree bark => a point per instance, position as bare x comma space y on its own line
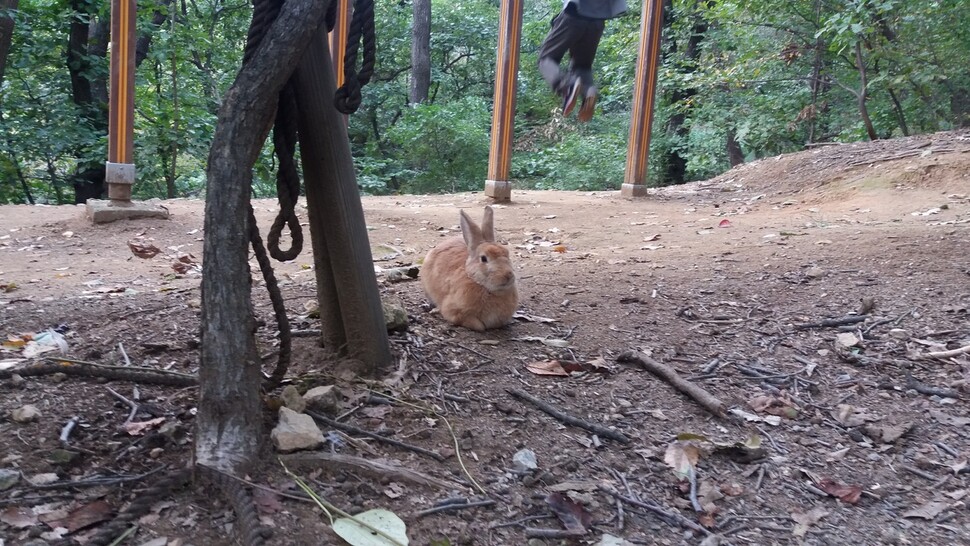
6, 32
863, 93
228, 428
676, 160
350, 304
734, 152
420, 51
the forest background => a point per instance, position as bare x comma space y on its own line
739, 80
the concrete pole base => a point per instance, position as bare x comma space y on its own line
101, 211
500, 191
120, 178
633, 190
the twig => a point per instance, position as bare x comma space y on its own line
66, 431
121, 349
99, 481
668, 374
921, 473
132, 405
671, 517
519, 521
382, 468
948, 354
692, 477
453, 506
532, 532
569, 419
830, 323
354, 430
922, 388
952, 452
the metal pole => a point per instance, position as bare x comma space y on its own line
120, 168
497, 186
338, 38
644, 90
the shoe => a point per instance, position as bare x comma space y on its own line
589, 103
570, 97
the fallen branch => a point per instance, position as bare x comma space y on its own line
922, 388
453, 506
948, 354
707, 400
354, 430
831, 323
386, 469
671, 517
569, 419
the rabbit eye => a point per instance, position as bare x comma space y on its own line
484, 259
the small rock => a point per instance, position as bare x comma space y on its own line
17, 381
899, 333
292, 399
322, 399
156, 452
174, 431
395, 316
295, 431
59, 377
846, 340
525, 461
815, 272
8, 477
26, 414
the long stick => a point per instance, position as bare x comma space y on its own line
707, 400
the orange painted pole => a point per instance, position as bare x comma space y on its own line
644, 91
497, 186
338, 38
120, 168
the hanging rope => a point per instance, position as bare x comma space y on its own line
348, 98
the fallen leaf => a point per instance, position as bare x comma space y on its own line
725, 223
947, 419
143, 251
928, 510
846, 340
845, 493
804, 520
578, 485
18, 517
395, 490
732, 489
682, 457
137, 428
84, 516
547, 367
888, 434
850, 416
386, 521
573, 515
780, 405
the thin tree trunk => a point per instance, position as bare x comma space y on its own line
863, 93
734, 152
900, 115
6, 32
420, 51
173, 142
676, 160
350, 303
229, 425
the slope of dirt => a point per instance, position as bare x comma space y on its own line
723, 281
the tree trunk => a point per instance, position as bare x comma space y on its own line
228, 427
350, 304
863, 93
676, 160
420, 51
6, 32
734, 152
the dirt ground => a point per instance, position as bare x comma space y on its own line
863, 433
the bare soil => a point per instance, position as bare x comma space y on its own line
720, 280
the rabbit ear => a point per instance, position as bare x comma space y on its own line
488, 229
470, 231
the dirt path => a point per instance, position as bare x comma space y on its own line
715, 279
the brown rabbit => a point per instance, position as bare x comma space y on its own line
470, 278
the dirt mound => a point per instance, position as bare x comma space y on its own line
809, 293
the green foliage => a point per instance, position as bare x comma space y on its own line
773, 74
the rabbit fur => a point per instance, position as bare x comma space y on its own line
470, 278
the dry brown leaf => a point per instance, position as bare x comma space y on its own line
804, 520
845, 493
928, 510
682, 457
143, 251
850, 416
888, 434
547, 367
137, 428
18, 517
84, 516
573, 516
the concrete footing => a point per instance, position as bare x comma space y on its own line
102, 211
500, 191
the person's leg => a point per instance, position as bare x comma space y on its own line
559, 40
581, 54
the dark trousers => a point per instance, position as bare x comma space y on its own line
580, 37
